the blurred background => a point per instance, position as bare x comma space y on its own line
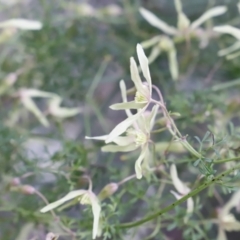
81, 53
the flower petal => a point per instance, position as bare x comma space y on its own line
150, 42
156, 22
135, 77
235, 32
96, 209
103, 138
156, 51
144, 65
213, 12
176, 195
138, 163
173, 63
178, 184
124, 96
123, 141
229, 49
59, 202
123, 126
190, 205
32, 107
23, 24
127, 105
116, 148
152, 117
221, 234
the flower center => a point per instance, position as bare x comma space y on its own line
85, 199
140, 98
140, 138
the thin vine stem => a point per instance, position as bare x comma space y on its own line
183, 199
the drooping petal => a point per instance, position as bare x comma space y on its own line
127, 105
221, 234
144, 65
178, 184
23, 24
138, 163
135, 77
116, 148
183, 22
152, 117
156, 22
96, 209
59, 202
173, 63
213, 12
32, 107
235, 32
150, 42
229, 49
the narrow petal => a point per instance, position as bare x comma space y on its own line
235, 32
173, 63
178, 184
178, 5
233, 55
135, 77
156, 22
150, 42
221, 234
156, 51
127, 105
68, 197
229, 49
152, 117
190, 205
23, 24
124, 96
38, 93
138, 163
213, 12
123, 141
103, 138
32, 107
183, 21
144, 65
116, 148
96, 209
123, 126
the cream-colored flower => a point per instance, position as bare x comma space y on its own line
142, 97
137, 135
85, 197
182, 189
227, 221
184, 30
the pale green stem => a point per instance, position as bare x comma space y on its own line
178, 202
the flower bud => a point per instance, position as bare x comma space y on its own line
51, 236
27, 189
15, 182
107, 191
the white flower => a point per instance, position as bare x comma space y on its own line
182, 189
227, 221
185, 29
84, 197
137, 135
